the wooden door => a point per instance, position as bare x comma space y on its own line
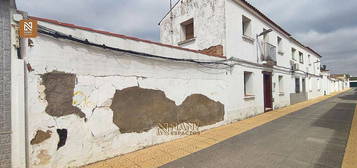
268, 95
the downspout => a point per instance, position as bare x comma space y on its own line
23, 56
26, 116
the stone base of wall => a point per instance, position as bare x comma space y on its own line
297, 97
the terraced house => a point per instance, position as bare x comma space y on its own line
81, 95
277, 70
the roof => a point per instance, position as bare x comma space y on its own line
250, 6
119, 35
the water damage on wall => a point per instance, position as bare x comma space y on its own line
59, 94
138, 110
200, 109
41, 136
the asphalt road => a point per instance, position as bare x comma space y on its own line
314, 137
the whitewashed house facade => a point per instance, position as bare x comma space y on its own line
233, 26
82, 95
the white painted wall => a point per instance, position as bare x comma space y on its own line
237, 46
99, 73
209, 19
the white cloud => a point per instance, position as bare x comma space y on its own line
338, 48
325, 25
135, 18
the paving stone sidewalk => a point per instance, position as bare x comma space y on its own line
308, 134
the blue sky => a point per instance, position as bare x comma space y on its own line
327, 26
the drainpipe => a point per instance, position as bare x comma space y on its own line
26, 116
22, 56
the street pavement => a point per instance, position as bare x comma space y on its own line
314, 137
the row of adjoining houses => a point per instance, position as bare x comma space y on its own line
81, 95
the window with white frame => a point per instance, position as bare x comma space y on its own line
293, 53
280, 45
247, 26
301, 57
309, 59
248, 83
281, 84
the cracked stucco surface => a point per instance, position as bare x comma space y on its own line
95, 76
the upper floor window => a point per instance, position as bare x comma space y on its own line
188, 29
280, 45
266, 36
309, 59
293, 53
247, 26
301, 57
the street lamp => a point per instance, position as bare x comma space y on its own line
264, 32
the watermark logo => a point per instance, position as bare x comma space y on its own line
178, 128
28, 28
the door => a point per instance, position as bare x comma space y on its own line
268, 95
303, 85
353, 84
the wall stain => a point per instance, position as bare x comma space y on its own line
41, 136
200, 109
138, 110
59, 94
62, 134
44, 157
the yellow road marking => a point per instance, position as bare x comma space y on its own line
161, 154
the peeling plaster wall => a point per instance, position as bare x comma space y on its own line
95, 76
209, 23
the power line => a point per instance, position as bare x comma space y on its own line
60, 35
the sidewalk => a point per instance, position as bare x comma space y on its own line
161, 154
350, 158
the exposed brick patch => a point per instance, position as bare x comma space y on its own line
214, 50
